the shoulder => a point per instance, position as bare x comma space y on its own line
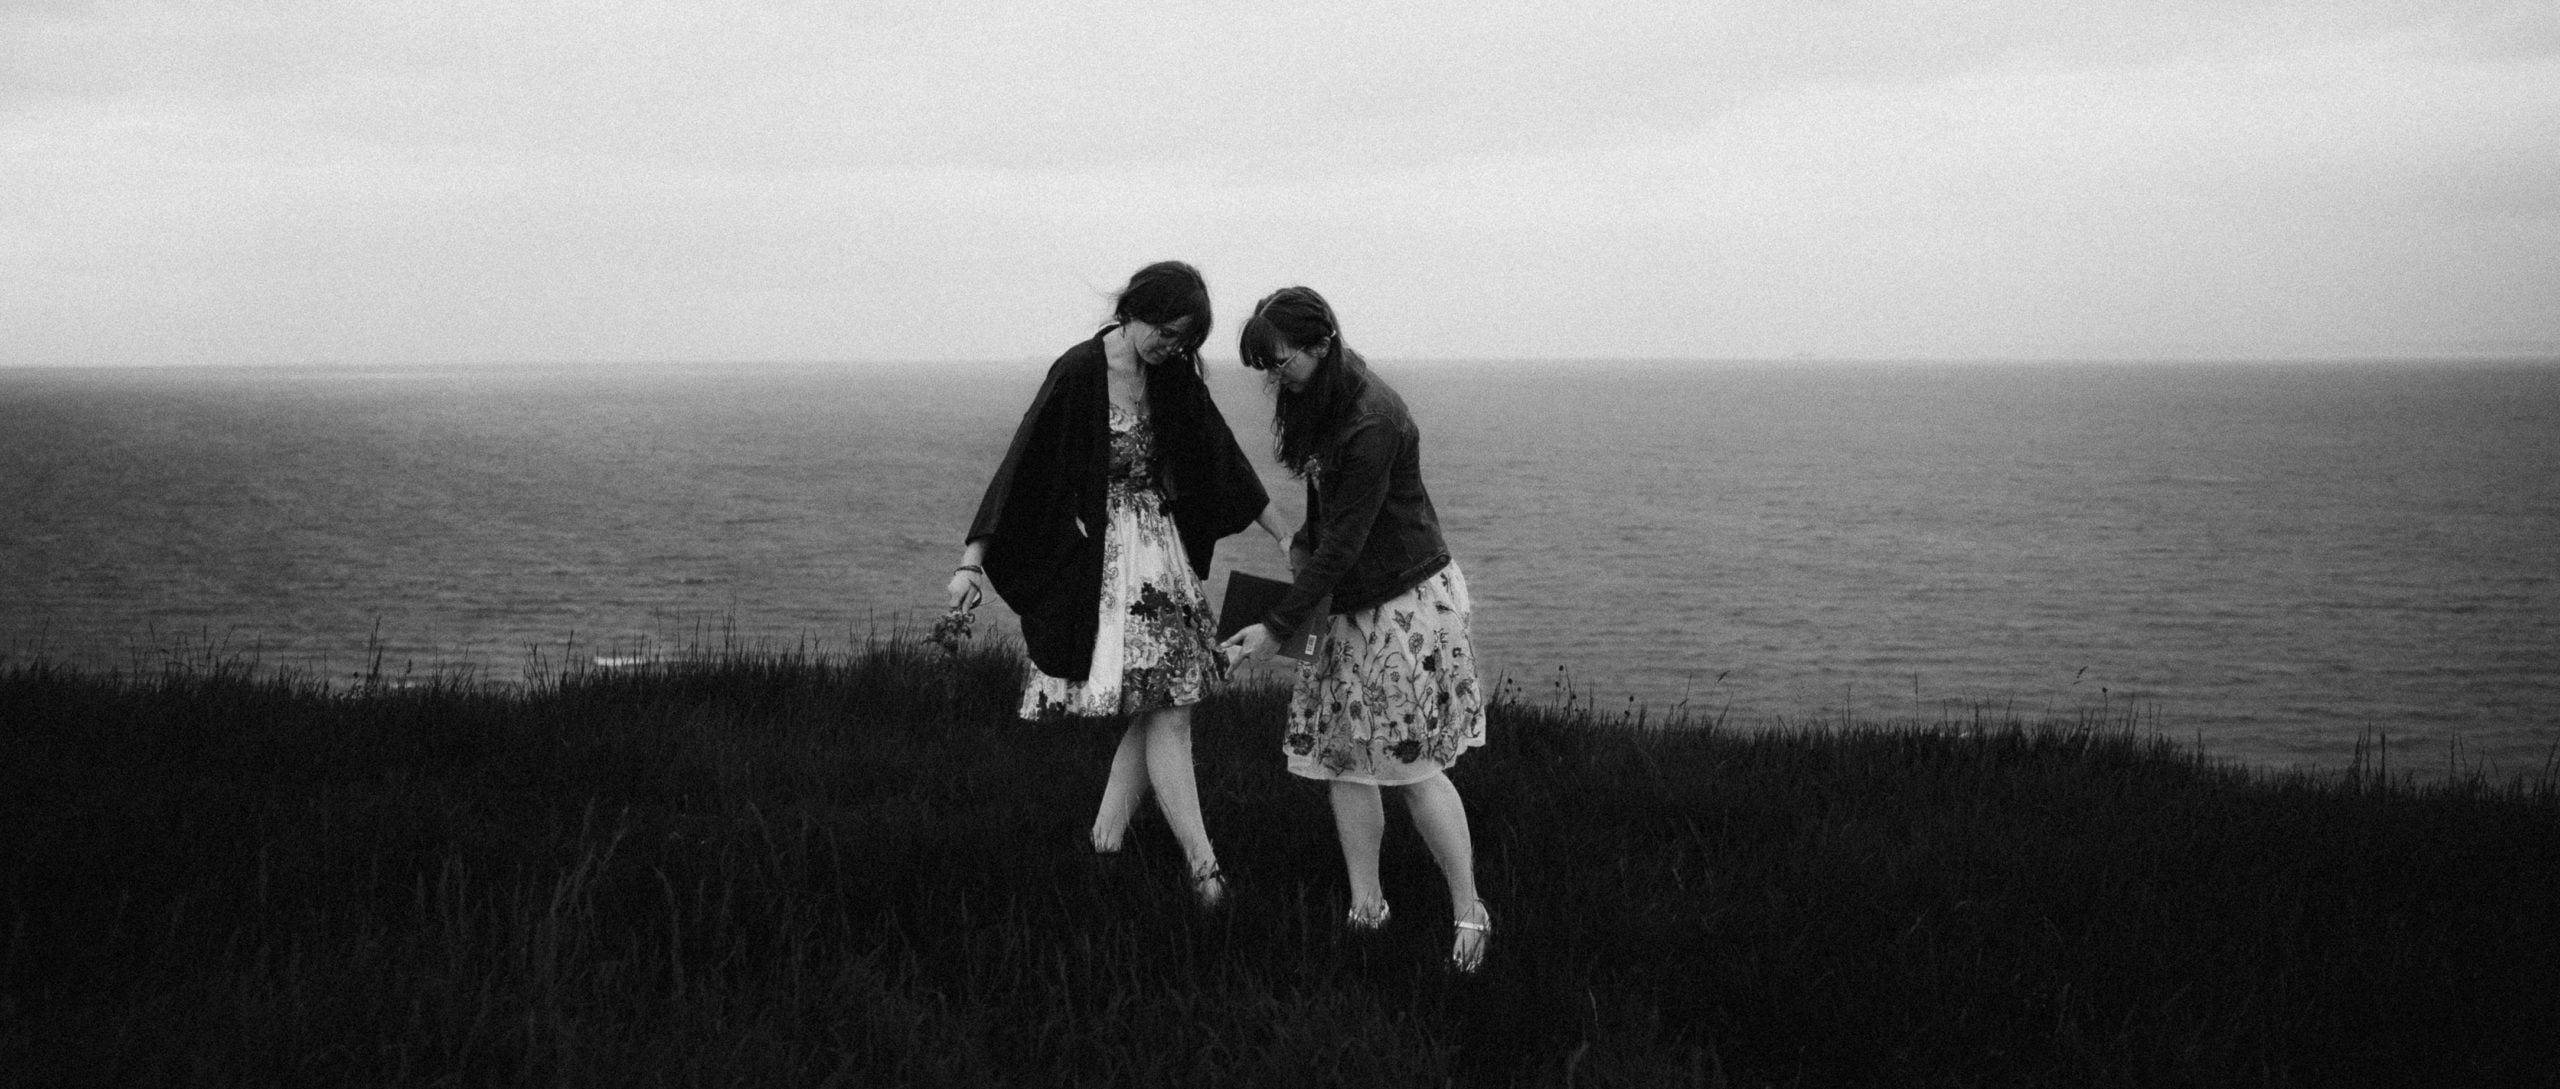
1085, 357
1379, 403
1077, 372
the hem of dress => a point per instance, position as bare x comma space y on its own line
1318, 775
1020, 717
1037, 676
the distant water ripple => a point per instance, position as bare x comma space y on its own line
2272, 559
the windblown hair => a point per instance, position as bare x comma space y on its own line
1303, 419
1166, 292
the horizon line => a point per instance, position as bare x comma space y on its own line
2543, 356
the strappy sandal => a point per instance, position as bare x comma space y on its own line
1209, 886
1465, 960
1371, 922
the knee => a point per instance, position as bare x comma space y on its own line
1432, 792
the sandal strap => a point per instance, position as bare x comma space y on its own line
1466, 961
1200, 880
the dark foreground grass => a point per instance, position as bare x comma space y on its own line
776, 870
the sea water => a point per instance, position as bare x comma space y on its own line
2272, 561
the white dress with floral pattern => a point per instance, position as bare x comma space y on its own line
1157, 646
1393, 696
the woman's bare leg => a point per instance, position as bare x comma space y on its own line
1441, 816
1360, 821
1168, 764
1128, 787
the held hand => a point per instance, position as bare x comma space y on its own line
966, 590
1254, 642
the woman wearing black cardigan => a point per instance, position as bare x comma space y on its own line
1098, 528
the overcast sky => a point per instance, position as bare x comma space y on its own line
523, 181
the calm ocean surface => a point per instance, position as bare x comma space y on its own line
2269, 560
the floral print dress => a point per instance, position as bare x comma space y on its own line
1393, 696
1157, 646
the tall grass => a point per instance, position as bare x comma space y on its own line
781, 868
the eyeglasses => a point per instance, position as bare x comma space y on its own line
1275, 362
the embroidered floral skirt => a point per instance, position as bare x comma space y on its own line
1157, 646
1393, 697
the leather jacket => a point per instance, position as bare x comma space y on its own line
1371, 532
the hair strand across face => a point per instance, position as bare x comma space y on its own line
1302, 419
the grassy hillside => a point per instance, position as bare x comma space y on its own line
773, 869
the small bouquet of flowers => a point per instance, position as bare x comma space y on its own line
952, 631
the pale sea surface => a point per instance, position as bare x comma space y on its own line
2272, 561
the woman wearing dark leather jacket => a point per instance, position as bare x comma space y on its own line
1391, 699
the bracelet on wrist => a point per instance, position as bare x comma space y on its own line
972, 568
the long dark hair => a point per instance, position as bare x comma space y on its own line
1177, 387
1303, 419
1164, 293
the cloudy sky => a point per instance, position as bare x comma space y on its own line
489, 181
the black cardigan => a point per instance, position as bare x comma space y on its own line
1044, 514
